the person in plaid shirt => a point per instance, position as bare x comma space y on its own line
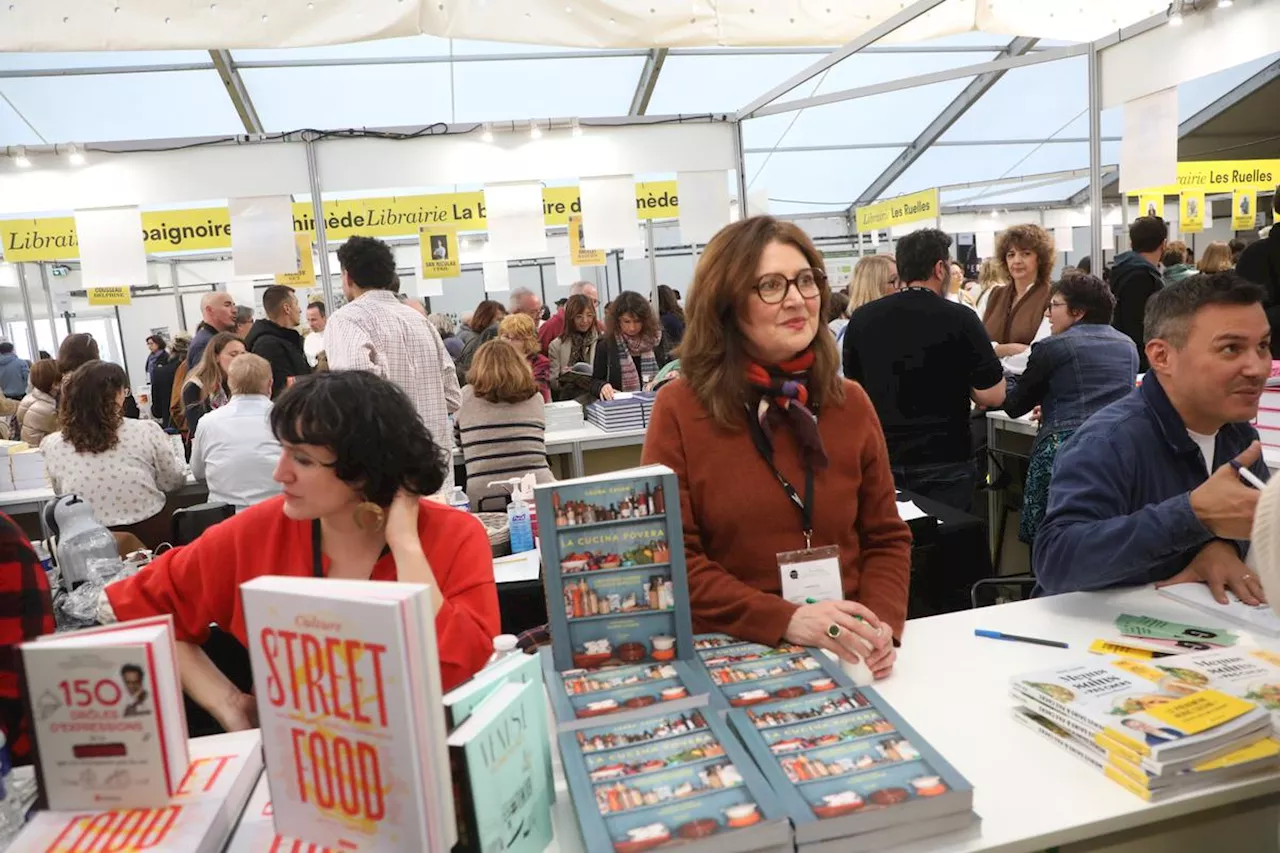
26, 612
375, 332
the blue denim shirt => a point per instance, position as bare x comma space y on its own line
1119, 507
1073, 374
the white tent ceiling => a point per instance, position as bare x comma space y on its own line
1031, 121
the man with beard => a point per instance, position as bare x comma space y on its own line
1147, 490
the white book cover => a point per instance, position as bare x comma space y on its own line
1259, 618
347, 681
257, 830
198, 819
107, 715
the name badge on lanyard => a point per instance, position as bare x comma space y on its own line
811, 574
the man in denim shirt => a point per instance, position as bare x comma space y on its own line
1132, 499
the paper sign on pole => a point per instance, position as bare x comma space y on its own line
1191, 212
1064, 239
1149, 144
705, 209
608, 212
111, 251
578, 253
1151, 204
901, 210
110, 296
566, 272
517, 225
496, 277
438, 245
985, 243
262, 235
1244, 210
430, 287
305, 271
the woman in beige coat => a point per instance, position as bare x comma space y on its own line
576, 344
38, 411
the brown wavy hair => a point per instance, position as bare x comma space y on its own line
499, 374
76, 350
488, 312
208, 374
630, 302
88, 413
713, 357
1030, 237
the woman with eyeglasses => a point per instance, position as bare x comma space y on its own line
775, 454
1084, 365
632, 350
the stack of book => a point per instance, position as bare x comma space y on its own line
851, 774
21, 467
623, 412
564, 416
1157, 728
199, 818
347, 679
617, 598
747, 674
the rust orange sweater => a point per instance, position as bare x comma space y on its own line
737, 517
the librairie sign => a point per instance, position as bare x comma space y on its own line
901, 210
204, 229
1221, 176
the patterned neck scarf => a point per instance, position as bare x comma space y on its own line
642, 346
784, 399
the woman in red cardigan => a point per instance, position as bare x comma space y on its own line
355, 459
776, 453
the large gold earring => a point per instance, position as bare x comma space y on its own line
369, 516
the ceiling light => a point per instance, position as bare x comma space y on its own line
1224, 4
486, 133
535, 132
74, 155
575, 128
20, 158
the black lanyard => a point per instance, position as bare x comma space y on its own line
804, 505
317, 557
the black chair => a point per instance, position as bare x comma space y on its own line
187, 524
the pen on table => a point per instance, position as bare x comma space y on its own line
1247, 475
999, 635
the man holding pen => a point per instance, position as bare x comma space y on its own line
1145, 491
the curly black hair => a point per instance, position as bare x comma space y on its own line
372, 428
369, 262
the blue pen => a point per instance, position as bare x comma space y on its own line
999, 635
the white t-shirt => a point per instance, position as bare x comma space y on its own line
1206, 444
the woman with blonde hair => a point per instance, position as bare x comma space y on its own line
1216, 258
990, 274
501, 423
774, 452
519, 331
873, 277
206, 387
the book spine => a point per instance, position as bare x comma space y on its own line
1080, 749
464, 802
1058, 708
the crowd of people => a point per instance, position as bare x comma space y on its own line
822, 404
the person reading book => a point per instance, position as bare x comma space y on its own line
776, 453
1145, 491
356, 458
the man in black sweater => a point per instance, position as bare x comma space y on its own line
277, 340
1135, 277
1260, 264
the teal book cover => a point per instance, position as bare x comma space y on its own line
746, 674
504, 798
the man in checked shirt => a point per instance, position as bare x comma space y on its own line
374, 331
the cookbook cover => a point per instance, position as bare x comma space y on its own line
256, 832
583, 697
198, 819
673, 779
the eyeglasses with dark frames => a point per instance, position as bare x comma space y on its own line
772, 288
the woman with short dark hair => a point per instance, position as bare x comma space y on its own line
356, 460
671, 315
576, 345
1080, 368
38, 411
633, 348
123, 467
158, 355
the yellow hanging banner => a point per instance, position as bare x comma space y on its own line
1222, 176
306, 269
1244, 210
579, 254
439, 247
110, 296
1151, 204
898, 211
1191, 212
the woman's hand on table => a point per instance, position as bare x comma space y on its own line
237, 713
863, 638
606, 393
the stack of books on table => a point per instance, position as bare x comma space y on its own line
623, 412
564, 416
1158, 729
21, 467
198, 818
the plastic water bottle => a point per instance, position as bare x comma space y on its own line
458, 499
504, 645
520, 526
